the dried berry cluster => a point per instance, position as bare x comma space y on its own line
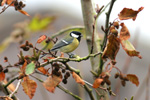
106, 80
122, 78
19, 5
26, 46
58, 71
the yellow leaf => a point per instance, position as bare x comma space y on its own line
51, 82
77, 78
97, 82
133, 78
29, 87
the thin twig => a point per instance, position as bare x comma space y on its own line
10, 82
68, 92
16, 89
4, 8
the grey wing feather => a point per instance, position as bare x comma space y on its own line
62, 43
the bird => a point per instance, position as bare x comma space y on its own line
68, 44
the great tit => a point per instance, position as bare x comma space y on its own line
68, 43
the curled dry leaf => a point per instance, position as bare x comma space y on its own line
133, 78
77, 78
41, 38
29, 86
43, 70
24, 12
51, 82
112, 48
97, 82
2, 76
130, 50
124, 33
128, 13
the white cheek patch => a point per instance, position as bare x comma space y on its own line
74, 35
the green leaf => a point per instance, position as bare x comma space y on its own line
37, 23
131, 98
30, 68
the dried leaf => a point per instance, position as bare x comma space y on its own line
51, 82
24, 12
43, 70
2, 76
128, 13
2, 2
112, 48
5, 98
23, 67
124, 33
97, 82
29, 87
77, 78
130, 50
133, 78
8, 2
41, 38
30, 68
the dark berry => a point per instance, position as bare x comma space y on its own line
27, 43
63, 70
64, 81
116, 75
15, 3
20, 3
68, 74
123, 82
6, 70
108, 82
31, 45
1, 68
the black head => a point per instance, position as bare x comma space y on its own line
76, 34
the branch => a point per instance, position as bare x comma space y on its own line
68, 92
17, 87
4, 8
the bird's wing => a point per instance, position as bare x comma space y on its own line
62, 43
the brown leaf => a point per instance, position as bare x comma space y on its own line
41, 38
2, 76
29, 87
23, 67
8, 2
77, 78
24, 12
130, 50
5, 98
112, 48
3, 2
97, 82
51, 82
133, 78
128, 13
43, 70
124, 33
